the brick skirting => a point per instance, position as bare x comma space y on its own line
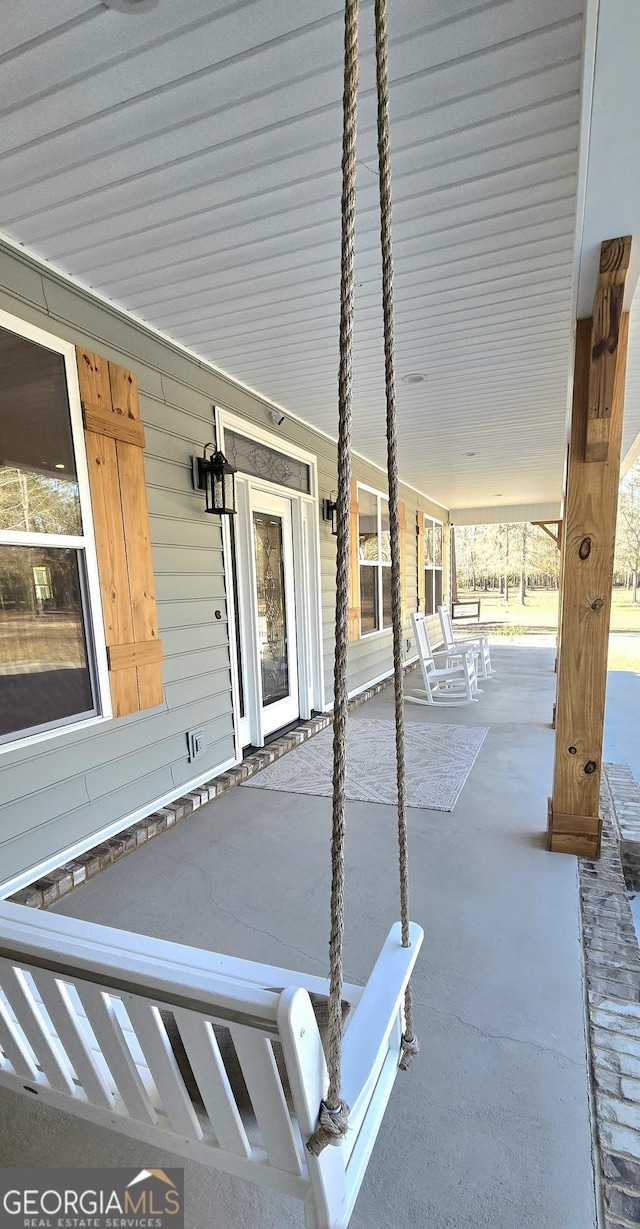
612, 967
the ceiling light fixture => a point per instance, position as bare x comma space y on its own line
59, 465
414, 377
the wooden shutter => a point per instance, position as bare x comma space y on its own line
420, 545
402, 525
354, 567
114, 439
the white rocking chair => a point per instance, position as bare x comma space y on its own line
207, 1056
478, 644
449, 678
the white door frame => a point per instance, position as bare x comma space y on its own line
306, 568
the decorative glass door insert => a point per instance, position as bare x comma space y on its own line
270, 621
272, 612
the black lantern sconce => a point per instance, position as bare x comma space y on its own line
217, 478
330, 513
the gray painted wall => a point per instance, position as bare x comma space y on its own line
73, 785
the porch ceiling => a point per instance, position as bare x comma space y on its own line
185, 163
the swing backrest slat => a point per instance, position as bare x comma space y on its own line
140, 1035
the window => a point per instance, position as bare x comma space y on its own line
433, 544
374, 559
47, 674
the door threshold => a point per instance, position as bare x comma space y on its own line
271, 738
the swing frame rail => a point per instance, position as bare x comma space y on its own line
80, 1028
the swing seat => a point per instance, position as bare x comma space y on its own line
83, 1014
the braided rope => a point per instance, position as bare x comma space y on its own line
334, 1113
409, 1043
333, 1119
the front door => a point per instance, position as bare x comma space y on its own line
274, 611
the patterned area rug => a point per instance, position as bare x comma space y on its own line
439, 760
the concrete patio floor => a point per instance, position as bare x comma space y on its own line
491, 1127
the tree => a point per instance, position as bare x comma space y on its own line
524, 540
35, 502
496, 556
628, 531
38, 502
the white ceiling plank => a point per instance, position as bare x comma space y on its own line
462, 196
52, 63
499, 73
24, 24
264, 277
187, 165
308, 180
416, 293
419, 173
513, 107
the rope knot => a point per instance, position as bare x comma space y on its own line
333, 1123
410, 1048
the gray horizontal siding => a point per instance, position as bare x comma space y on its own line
68, 788
65, 789
372, 655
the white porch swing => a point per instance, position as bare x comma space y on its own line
206, 1056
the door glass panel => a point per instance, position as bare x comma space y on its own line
44, 670
38, 483
438, 588
272, 617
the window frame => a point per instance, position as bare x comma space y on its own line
379, 564
93, 624
430, 522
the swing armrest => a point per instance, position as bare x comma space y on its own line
368, 1030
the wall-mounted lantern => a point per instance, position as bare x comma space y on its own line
216, 477
330, 513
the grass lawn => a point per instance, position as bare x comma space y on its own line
540, 614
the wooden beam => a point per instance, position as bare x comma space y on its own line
606, 355
143, 653
114, 426
546, 526
574, 821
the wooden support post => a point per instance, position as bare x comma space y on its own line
605, 341
588, 540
